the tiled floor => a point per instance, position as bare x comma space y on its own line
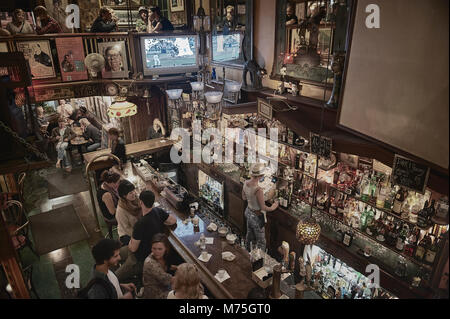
49, 272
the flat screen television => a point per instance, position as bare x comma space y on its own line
169, 54
210, 189
227, 48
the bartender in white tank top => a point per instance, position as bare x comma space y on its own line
253, 194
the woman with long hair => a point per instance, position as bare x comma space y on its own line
156, 277
128, 211
107, 194
117, 145
186, 283
19, 24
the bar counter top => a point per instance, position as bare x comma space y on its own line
183, 238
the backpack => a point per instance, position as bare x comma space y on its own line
83, 292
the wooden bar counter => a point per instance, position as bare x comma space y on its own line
183, 238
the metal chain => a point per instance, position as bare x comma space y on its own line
22, 141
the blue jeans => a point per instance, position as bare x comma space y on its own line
93, 147
61, 149
256, 233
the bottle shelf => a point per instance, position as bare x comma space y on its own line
426, 266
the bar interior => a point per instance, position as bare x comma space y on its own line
224, 149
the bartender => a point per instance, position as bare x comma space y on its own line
157, 130
254, 195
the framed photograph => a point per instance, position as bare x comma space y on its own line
176, 5
115, 54
71, 58
264, 109
39, 58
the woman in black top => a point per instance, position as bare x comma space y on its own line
117, 145
107, 194
158, 21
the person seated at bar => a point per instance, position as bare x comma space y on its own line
142, 23
65, 110
156, 277
158, 22
105, 284
92, 134
156, 130
83, 112
153, 221
186, 283
19, 25
45, 24
117, 145
108, 195
105, 22
253, 194
61, 135
128, 211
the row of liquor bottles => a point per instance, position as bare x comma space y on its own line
406, 237
333, 279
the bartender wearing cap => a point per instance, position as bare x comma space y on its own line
254, 195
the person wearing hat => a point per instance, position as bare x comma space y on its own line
128, 211
142, 23
253, 194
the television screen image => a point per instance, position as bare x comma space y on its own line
210, 189
226, 47
172, 54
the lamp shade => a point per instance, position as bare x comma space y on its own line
122, 109
308, 231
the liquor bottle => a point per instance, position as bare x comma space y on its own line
431, 212
400, 245
333, 209
411, 242
398, 202
365, 187
336, 176
363, 219
389, 199
432, 249
373, 183
290, 137
370, 217
422, 218
421, 249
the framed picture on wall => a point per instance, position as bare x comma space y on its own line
176, 5
39, 58
115, 54
71, 58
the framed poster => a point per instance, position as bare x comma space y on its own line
39, 58
71, 58
176, 5
264, 109
115, 54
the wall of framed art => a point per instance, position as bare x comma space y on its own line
39, 57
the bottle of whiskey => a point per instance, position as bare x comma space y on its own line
422, 218
421, 249
365, 188
398, 202
400, 245
432, 249
370, 217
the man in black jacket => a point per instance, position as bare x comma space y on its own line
92, 134
104, 284
105, 22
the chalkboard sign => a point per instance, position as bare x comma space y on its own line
410, 174
320, 145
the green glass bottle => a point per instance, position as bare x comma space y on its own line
363, 219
